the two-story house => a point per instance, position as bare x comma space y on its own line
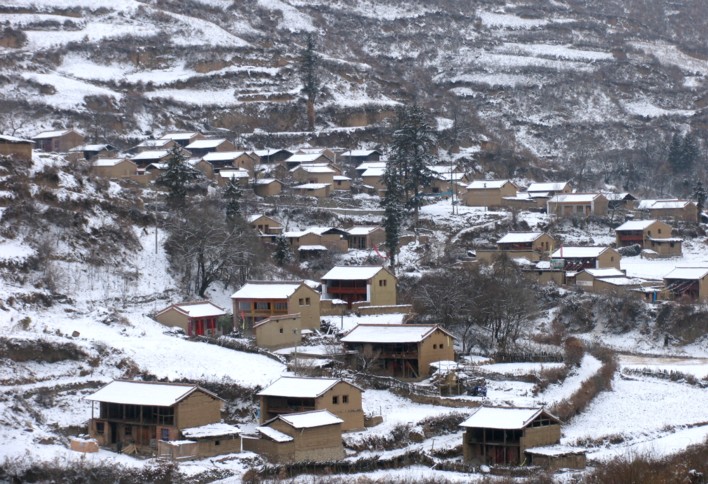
371, 285
258, 300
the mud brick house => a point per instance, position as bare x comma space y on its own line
579, 258
533, 246
272, 156
278, 332
331, 238
688, 283
343, 183
398, 350
258, 300
195, 318
540, 193
17, 148
267, 187
577, 205
650, 235
365, 237
501, 436
587, 277
114, 167
373, 177
319, 190
183, 138
154, 145
300, 437
60, 141
266, 226
144, 413
231, 159
362, 167
224, 176
488, 193
356, 157
315, 173
374, 285
91, 152
670, 209
202, 147
149, 157
293, 394
307, 158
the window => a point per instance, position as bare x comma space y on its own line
244, 306
281, 330
435, 347
301, 301
217, 442
165, 434
262, 305
335, 400
382, 283
304, 301
128, 430
345, 398
281, 306
100, 427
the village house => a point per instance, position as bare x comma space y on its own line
154, 145
278, 331
239, 175
587, 277
447, 180
501, 436
148, 414
488, 193
145, 158
329, 238
231, 159
620, 201
314, 436
398, 350
341, 183
371, 285
670, 209
373, 178
307, 158
356, 157
540, 193
296, 394
91, 152
533, 246
258, 300
314, 173
687, 283
272, 156
362, 167
113, 167
267, 187
577, 205
365, 237
60, 141
16, 148
266, 226
651, 235
201, 147
183, 138
319, 190
579, 258
199, 318
204, 167
329, 153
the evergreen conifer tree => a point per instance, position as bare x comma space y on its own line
675, 156
309, 64
177, 177
394, 211
699, 195
282, 254
232, 197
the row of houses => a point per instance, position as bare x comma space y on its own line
301, 420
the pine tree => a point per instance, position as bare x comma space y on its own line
394, 211
232, 197
414, 142
699, 195
282, 254
689, 151
177, 177
309, 64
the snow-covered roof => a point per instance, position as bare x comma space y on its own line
370, 164
221, 155
689, 273
94, 147
487, 184
635, 225
340, 178
389, 333
604, 273
664, 204
202, 144
201, 309
351, 273
314, 168
267, 290
269, 152
574, 197
180, 136
547, 187
312, 186
144, 393
158, 166
52, 134
313, 247
308, 420
363, 230
152, 143
519, 237
578, 252
235, 173
359, 153
666, 240
503, 418
304, 157
253, 218
290, 386
274, 434
266, 181
108, 161
13, 139
211, 430
150, 155
621, 281
377, 172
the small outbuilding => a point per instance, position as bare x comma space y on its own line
199, 318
